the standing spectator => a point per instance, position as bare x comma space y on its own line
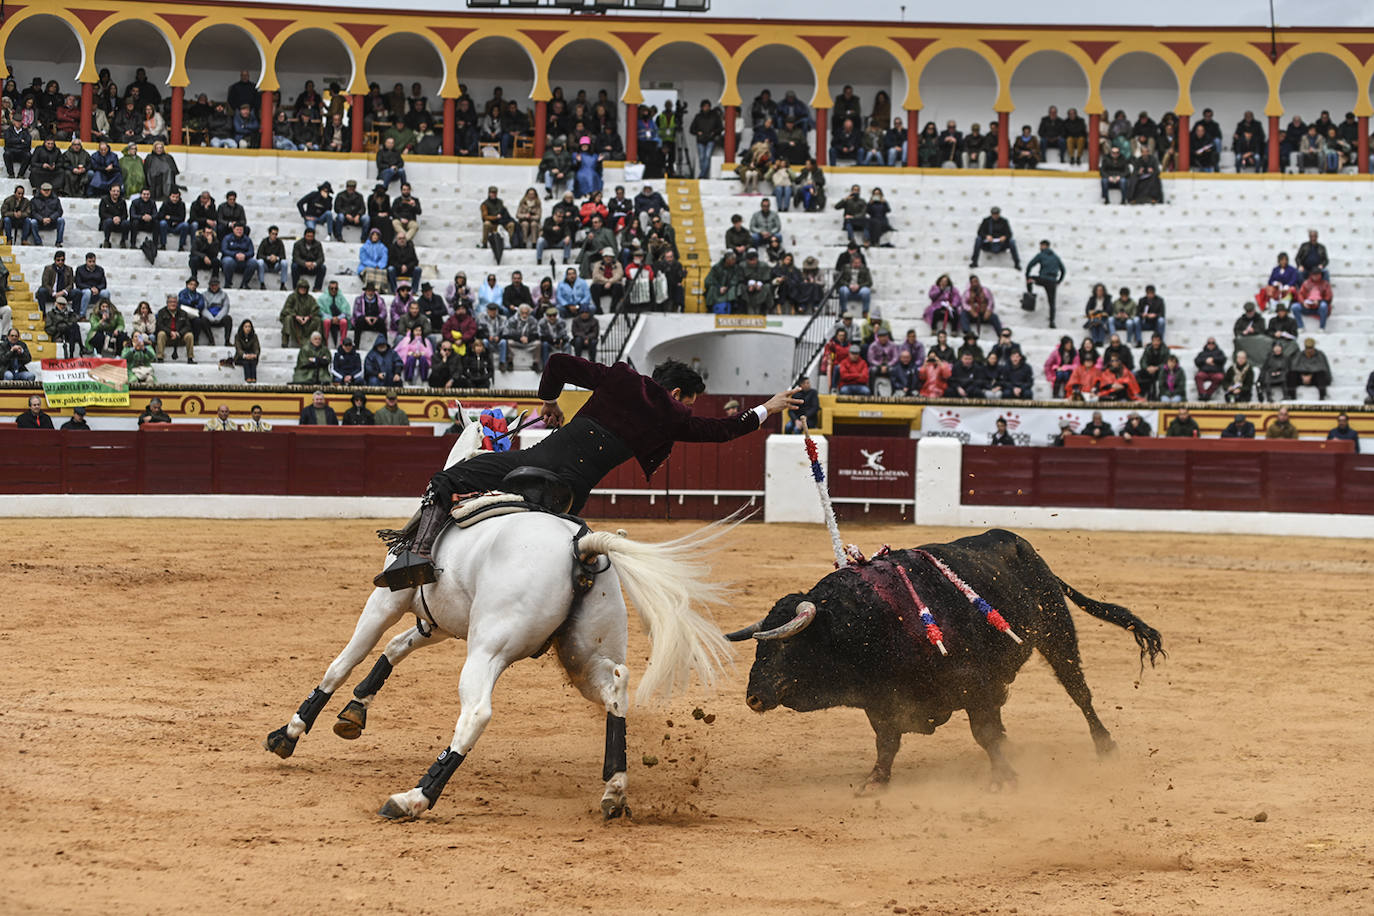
35, 417
1183, 426
1050, 273
212, 311
1239, 381
994, 235
1311, 259
236, 257
708, 128
318, 412
1282, 427
1211, 367
1239, 428
175, 327
1313, 297
1308, 367
247, 351
1342, 430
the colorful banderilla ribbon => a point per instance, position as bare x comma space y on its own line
993, 617
828, 510
937, 639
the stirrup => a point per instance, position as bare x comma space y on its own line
409, 571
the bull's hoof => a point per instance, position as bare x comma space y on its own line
352, 721
394, 810
1106, 747
876, 781
280, 743
1002, 781
612, 808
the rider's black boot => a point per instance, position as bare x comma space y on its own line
414, 566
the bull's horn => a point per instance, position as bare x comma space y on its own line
742, 635
806, 612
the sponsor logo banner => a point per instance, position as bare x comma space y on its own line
872, 466
86, 382
1027, 425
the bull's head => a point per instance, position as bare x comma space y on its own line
793, 665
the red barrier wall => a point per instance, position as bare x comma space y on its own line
1204, 476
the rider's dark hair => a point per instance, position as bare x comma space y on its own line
674, 374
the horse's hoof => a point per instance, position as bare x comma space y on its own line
352, 721
612, 808
280, 743
395, 811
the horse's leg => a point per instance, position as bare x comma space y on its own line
483, 666
353, 717
383, 609
592, 650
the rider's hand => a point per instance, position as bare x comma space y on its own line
551, 414
782, 401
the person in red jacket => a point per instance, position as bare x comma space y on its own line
1117, 383
935, 375
852, 373
627, 416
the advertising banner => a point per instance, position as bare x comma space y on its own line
86, 382
1027, 426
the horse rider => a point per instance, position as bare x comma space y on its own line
628, 415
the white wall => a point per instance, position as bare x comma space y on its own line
1230, 85
1317, 83
737, 361
958, 84
1044, 79
1139, 82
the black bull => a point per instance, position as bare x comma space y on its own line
847, 642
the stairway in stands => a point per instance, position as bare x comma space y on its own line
26, 314
689, 221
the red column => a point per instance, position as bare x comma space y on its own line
631, 132
822, 135
729, 134
267, 116
355, 122
541, 118
1274, 164
1185, 144
87, 98
1094, 125
178, 105
913, 135
1363, 146
450, 131
1003, 140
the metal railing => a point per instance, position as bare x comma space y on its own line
617, 334
812, 338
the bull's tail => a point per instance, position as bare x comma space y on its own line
1146, 636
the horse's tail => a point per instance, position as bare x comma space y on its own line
665, 581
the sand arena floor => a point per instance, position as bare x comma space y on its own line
140, 680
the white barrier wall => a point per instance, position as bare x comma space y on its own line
786, 495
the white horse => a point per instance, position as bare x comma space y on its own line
507, 586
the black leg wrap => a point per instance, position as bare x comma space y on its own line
431, 785
374, 680
615, 747
310, 709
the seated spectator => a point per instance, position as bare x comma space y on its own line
905, 375
573, 293
1117, 383
318, 412
968, 379
357, 414
1343, 431
383, 366
970, 345
1015, 378
1052, 134
994, 235
1239, 380
78, 420
935, 375
346, 368
46, 165
390, 413
408, 317
1281, 427
229, 214
205, 253
608, 279
1308, 367
1183, 426
1311, 258
810, 187
17, 210
1125, 316
300, 315
76, 171
764, 225
1369, 389
15, 359
1134, 426
350, 209
1097, 428
807, 413
405, 214
1273, 373
495, 216
585, 331
403, 263
35, 417
143, 218
553, 336
89, 284
1153, 360
1116, 348
977, 151
1025, 150
246, 127
416, 353
855, 212
1283, 326
853, 374
1114, 171
946, 305
1203, 150
1059, 366
307, 258
247, 351
60, 324
515, 294
113, 214
1097, 313
1239, 428
1249, 324
1171, 384
521, 332
1251, 154
318, 207
220, 422
106, 335
236, 257
1314, 297
175, 327
1211, 367
1145, 186
212, 311
18, 148
846, 142
882, 356
1083, 379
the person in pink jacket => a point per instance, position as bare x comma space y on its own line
416, 353
945, 304
1059, 367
